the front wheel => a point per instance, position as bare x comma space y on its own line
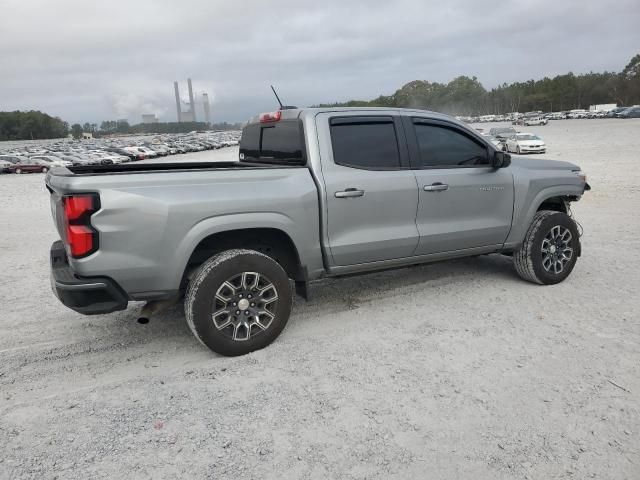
550, 248
238, 301
18, 171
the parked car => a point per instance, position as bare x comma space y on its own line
530, 121
613, 112
126, 153
525, 143
78, 160
363, 198
32, 165
5, 166
496, 142
557, 116
577, 113
502, 133
147, 152
631, 112
12, 158
52, 161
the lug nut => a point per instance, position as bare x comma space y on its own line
237, 312
253, 304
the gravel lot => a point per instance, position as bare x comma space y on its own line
450, 370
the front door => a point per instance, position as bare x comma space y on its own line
464, 201
371, 194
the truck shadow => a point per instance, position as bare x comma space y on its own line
334, 295
168, 330
346, 293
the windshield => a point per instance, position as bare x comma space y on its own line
528, 137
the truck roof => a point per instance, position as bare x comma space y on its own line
291, 113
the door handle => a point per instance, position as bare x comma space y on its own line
436, 187
349, 193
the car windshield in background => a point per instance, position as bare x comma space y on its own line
527, 137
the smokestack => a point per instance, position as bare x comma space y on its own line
191, 102
175, 86
205, 102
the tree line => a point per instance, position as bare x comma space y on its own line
110, 127
467, 96
35, 125
32, 125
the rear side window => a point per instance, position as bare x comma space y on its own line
276, 142
444, 147
365, 142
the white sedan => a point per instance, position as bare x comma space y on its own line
525, 143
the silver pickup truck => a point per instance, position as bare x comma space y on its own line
316, 192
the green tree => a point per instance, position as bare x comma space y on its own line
76, 131
466, 96
30, 125
122, 126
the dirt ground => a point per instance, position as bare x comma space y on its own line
450, 370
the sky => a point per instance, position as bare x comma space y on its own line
90, 61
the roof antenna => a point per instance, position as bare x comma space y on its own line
282, 107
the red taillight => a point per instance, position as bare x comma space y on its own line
270, 117
76, 206
81, 238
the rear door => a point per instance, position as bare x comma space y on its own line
371, 194
464, 201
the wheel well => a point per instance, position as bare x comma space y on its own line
270, 241
558, 204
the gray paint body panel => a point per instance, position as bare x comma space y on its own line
150, 223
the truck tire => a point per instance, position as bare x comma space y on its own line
238, 301
550, 248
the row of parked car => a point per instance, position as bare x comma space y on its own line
542, 118
617, 112
107, 151
510, 140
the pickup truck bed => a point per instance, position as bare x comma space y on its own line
151, 228
150, 166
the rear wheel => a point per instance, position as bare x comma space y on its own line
44, 170
238, 301
550, 248
18, 171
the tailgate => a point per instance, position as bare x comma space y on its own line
57, 190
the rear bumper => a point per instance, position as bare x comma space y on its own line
89, 296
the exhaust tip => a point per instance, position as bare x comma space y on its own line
143, 320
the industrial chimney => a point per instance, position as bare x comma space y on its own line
175, 86
191, 102
205, 103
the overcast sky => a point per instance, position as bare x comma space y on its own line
92, 61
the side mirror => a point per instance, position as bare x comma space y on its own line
501, 160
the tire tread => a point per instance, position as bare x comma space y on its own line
201, 274
522, 256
